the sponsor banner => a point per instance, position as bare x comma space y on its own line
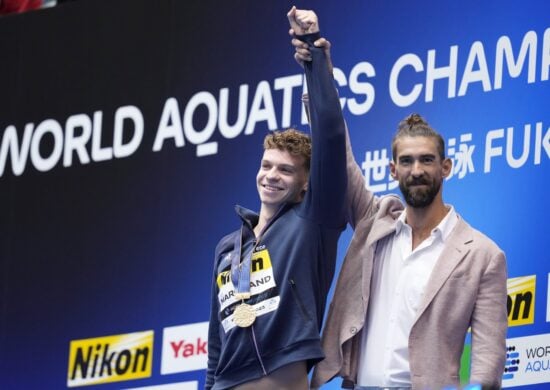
184, 348
171, 386
548, 301
110, 359
521, 300
527, 361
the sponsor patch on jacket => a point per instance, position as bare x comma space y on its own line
263, 290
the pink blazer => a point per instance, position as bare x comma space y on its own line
467, 288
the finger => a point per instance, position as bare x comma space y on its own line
309, 18
303, 20
303, 52
322, 42
304, 14
303, 57
299, 60
290, 14
299, 44
291, 32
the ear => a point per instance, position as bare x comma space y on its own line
393, 170
447, 166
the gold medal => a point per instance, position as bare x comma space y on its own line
244, 315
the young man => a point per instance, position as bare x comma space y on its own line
271, 276
414, 279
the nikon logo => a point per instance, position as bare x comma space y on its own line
110, 359
521, 300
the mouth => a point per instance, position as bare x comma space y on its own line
271, 188
418, 184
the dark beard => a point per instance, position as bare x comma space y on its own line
420, 198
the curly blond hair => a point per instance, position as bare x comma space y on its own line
293, 141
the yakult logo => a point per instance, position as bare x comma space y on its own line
184, 348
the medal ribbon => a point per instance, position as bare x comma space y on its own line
240, 271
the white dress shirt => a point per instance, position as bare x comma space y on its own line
399, 278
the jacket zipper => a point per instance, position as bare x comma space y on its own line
256, 243
257, 349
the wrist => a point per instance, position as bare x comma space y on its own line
309, 38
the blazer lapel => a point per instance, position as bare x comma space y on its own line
454, 252
383, 227
383, 222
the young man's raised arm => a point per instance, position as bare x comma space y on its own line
359, 201
325, 199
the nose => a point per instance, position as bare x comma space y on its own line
272, 174
417, 169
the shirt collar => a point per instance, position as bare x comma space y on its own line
401, 222
442, 230
448, 223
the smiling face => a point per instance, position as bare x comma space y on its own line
282, 178
419, 169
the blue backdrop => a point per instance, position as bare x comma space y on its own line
129, 131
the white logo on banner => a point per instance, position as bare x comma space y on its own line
527, 361
184, 348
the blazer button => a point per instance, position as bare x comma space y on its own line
353, 330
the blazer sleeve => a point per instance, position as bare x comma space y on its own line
489, 325
360, 202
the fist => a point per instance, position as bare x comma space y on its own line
303, 21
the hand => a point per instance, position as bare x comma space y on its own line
302, 51
303, 21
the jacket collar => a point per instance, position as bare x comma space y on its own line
250, 218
